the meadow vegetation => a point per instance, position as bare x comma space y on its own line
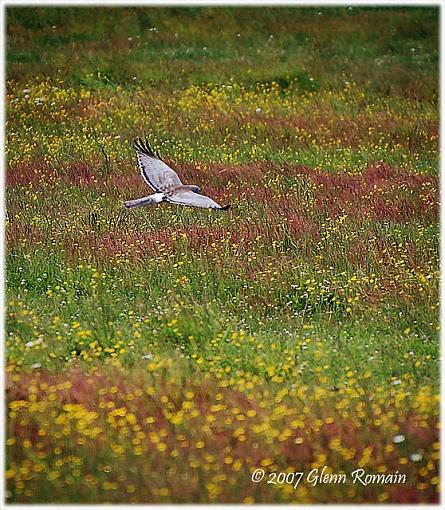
163, 354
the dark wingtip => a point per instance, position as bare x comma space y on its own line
226, 207
143, 147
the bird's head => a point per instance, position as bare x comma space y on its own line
195, 189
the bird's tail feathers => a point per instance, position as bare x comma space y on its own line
141, 202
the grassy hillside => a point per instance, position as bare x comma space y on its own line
164, 354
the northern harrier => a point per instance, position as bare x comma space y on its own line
166, 183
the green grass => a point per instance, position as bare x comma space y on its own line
193, 48
308, 311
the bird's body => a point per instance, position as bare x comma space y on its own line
166, 183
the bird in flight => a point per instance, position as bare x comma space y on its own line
166, 183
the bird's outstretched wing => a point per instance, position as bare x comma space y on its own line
154, 171
193, 199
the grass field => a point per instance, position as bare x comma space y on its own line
164, 354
